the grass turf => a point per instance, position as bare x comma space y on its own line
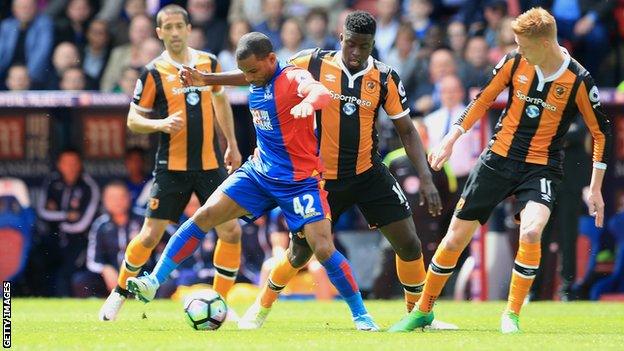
68, 324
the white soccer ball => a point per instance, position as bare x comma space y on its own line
205, 310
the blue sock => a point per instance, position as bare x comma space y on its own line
181, 246
339, 272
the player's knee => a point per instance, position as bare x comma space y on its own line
410, 250
324, 250
204, 218
531, 234
299, 256
150, 237
454, 243
230, 232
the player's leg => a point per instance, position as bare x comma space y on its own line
218, 209
486, 187
536, 196
318, 234
227, 253
237, 196
299, 252
168, 197
385, 206
296, 257
533, 220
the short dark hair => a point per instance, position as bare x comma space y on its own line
254, 43
361, 22
69, 150
170, 10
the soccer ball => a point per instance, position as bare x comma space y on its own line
205, 310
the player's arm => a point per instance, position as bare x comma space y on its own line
225, 118
476, 109
588, 102
315, 95
396, 106
191, 76
141, 108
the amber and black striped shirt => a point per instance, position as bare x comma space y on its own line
159, 91
540, 110
348, 137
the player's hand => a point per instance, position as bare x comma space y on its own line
429, 192
172, 124
232, 158
440, 154
584, 26
595, 203
302, 110
190, 76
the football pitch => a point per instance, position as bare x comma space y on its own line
69, 324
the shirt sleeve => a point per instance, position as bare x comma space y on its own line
395, 104
588, 102
144, 92
301, 59
501, 76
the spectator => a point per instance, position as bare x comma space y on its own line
420, 16
584, 23
151, 48
65, 56
202, 15
387, 26
27, 38
120, 23
129, 54
73, 26
95, 54
226, 57
246, 10
68, 203
404, 53
137, 176
127, 82
475, 69
425, 87
506, 42
316, 29
292, 37
73, 79
439, 122
494, 13
457, 37
273, 19
108, 238
17, 78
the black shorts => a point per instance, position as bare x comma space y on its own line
172, 190
375, 192
495, 178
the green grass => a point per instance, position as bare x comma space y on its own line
48, 324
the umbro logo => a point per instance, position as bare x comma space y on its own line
522, 79
330, 77
171, 78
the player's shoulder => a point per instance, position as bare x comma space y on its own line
578, 69
312, 54
382, 67
204, 55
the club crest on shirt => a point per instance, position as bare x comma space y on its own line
370, 87
268, 94
154, 203
559, 91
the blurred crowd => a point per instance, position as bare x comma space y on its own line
440, 49
101, 45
